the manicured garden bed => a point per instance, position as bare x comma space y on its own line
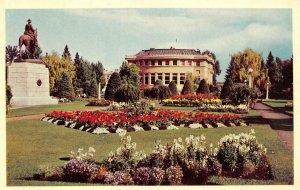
99, 122
33, 143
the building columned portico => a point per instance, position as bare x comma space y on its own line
172, 65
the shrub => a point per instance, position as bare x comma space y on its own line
148, 176
127, 93
65, 87
235, 151
118, 178
173, 88
240, 94
226, 89
163, 92
100, 175
125, 158
195, 173
203, 87
187, 88
215, 168
174, 175
9, 95
78, 170
113, 84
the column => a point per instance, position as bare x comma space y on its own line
156, 77
178, 78
144, 78
163, 78
149, 78
171, 77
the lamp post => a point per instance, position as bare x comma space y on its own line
267, 94
250, 70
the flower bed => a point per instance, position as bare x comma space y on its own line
240, 109
97, 102
191, 100
100, 122
181, 162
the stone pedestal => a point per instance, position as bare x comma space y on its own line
29, 83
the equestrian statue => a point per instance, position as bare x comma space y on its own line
29, 40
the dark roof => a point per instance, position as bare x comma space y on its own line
153, 51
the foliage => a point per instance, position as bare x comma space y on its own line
187, 88
78, 170
163, 92
127, 93
240, 94
57, 66
65, 87
125, 158
9, 95
191, 100
226, 89
203, 87
118, 178
240, 64
97, 102
130, 74
66, 54
98, 70
80, 155
240, 109
217, 69
93, 89
139, 108
234, 151
11, 53
174, 175
113, 84
148, 176
173, 88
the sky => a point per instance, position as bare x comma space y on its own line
108, 35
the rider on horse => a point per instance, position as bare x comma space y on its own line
29, 30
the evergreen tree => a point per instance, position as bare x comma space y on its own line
187, 88
270, 60
93, 89
173, 88
65, 87
113, 84
276, 78
226, 89
99, 73
77, 59
262, 64
203, 87
66, 54
158, 83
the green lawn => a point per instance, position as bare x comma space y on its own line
32, 143
79, 105
279, 105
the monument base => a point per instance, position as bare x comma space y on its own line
29, 82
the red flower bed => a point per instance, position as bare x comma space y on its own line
193, 97
160, 118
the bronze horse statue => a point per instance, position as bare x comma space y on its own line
30, 43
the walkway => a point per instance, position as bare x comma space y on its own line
281, 123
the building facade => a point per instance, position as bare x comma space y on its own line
172, 64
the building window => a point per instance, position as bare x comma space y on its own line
152, 78
183, 62
159, 62
190, 63
159, 76
175, 62
198, 72
167, 62
146, 78
146, 62
153, 63
198, 63
175, 77
167, 78
182, 78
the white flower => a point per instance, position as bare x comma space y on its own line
122, 133
252, 132
91, 149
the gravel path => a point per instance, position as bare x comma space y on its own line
281, 123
